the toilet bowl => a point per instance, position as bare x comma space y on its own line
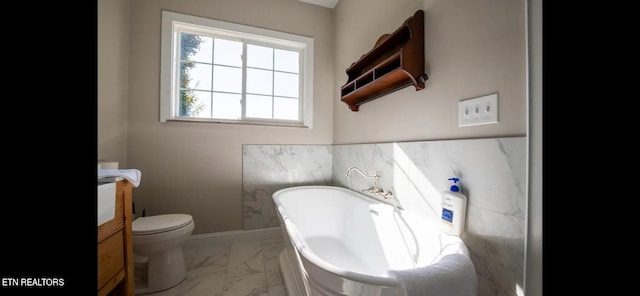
157, 249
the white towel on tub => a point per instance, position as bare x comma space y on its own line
452, 275
132, 175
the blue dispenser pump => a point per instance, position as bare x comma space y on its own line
454, 187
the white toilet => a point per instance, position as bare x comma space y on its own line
157, 249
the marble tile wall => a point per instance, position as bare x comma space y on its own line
269, 168
492, 173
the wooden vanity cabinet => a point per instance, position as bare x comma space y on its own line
115, 248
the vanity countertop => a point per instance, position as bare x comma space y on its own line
103, 181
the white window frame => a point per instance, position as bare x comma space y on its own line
271, 38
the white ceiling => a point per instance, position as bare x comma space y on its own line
326, 3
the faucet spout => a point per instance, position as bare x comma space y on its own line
351, 169
376, 176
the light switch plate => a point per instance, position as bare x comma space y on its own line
480, 110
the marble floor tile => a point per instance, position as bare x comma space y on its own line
254, 284
274, 278
201, 282
271, 248
245, 258
215, 255
247, 268
277, 291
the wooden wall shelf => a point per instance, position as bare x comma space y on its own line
396, 61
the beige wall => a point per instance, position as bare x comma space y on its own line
472, 48
113, 77
196, 168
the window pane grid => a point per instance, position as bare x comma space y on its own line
273, 84
218, 81
259, 94
224, 65
213, 50
243, 99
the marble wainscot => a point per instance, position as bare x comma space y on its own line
269, 168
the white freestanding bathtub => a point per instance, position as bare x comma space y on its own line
342, 242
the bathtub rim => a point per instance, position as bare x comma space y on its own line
302, 247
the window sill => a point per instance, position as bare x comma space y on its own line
245, 122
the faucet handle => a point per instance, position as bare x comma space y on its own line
385, 195
380, 192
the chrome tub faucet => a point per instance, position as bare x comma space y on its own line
375, 189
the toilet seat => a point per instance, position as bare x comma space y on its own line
159, 223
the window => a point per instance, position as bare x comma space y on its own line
217, 71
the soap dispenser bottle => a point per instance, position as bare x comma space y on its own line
454, 207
